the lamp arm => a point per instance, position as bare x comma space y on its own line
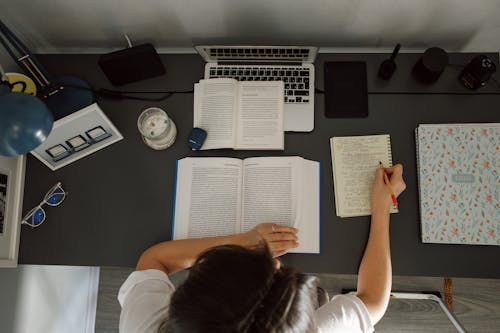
25, 57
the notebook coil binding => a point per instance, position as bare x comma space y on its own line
389, 149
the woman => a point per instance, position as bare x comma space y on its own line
235, 285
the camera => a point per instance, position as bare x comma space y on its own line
477, 72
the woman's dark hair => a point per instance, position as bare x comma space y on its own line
231, 289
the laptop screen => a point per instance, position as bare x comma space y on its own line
213, 53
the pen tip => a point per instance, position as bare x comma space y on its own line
379, 162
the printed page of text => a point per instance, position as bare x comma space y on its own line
308, 222
260, 116
271, 191
215, 104
208, 197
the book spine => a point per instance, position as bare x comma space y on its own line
175, 198
419, 185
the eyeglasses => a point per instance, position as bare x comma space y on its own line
54, 197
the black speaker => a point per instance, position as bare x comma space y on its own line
430, 66
132, 64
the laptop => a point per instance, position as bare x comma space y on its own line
291, 64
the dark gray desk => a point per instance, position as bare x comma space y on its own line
120, 198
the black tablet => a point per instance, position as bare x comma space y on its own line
346, 94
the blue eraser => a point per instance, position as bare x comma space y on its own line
196, 138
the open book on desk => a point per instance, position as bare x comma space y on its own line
217, 196
240, 115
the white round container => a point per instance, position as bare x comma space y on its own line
157, 129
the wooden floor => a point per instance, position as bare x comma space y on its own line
476, 303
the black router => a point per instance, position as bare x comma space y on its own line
132, 64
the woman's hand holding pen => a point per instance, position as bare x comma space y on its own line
381, 195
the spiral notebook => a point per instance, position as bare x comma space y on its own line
459, 183
354, 161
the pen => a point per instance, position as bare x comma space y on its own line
389, 186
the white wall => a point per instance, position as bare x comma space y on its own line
97, 25
7, 63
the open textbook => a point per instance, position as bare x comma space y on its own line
354, 161
240, 115
217, 196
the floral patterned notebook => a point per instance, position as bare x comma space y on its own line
459, 183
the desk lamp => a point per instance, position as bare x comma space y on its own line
25, 121
63, 95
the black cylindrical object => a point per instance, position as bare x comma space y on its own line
388, 66
430, 66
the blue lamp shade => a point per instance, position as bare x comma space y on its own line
25, 122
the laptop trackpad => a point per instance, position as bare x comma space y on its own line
299, 118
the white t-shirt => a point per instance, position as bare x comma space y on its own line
145, 298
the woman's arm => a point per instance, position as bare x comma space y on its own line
173, 256
375, 272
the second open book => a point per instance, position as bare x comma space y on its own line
240, 115
217, 196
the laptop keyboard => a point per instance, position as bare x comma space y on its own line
296, 79
231, 53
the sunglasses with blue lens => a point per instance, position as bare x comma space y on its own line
54, 197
